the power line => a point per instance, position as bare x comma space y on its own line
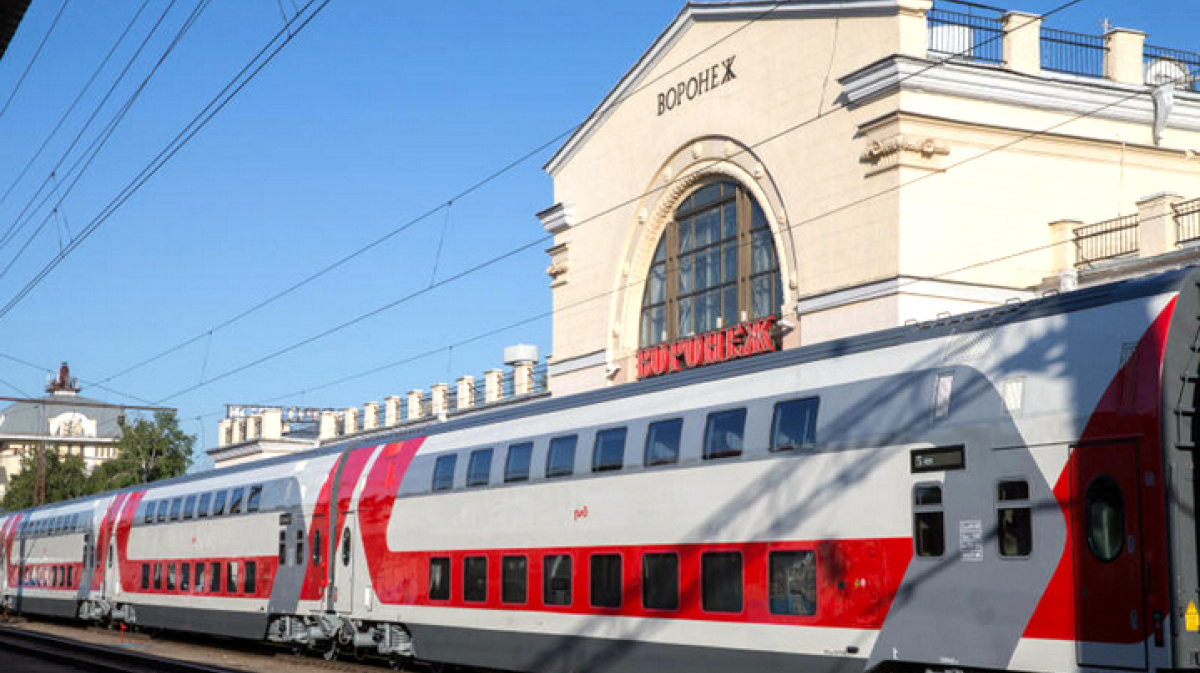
36, 53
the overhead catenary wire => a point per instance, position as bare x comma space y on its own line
37, 52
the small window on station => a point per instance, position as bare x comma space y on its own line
235, 500
794, 425
250, 585
723, 433
254, 502
439, 579
475, 579
556, 575
721, 581
660, 581
606, 580
231, 577
479, 468
662, 442
176, 509
608, 451
189, 507
199, 586
516, 465
202, 509
1014, 518
443, 472
560, 461
514, 578
793, 583
219, 504
929, 535
214, 577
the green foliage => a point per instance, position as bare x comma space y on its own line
66, 478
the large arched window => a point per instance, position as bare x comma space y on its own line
714, 266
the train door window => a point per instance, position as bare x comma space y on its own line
170, 577
560, 462
1014, 518
794, 425
439, 579
235, 500
721, 581
185, 576
660, 581
163, 505
479, 467
516, 465
250, 586
205, 498
316, 547
556, 574
346, 546
176, 509
443, 472
606, 580
219, 504
1104, 518
662, 442
723, 433
475, 578
793, 583
158, 576
231, 577
929, 535
283, 547
199, 585
189, 507
514, 576
255, 500
214, 577
608, 452
299, 547
145, 576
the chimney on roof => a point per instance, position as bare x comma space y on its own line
64, 383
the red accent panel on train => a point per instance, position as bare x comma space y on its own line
1129, 409
391, 581
124, 527
315, 576
103, 536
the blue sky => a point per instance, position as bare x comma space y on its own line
377, 112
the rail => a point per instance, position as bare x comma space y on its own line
1105, 240
76, 655
1072, 53
969, 32
1187, 221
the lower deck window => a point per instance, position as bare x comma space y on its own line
170, 577
439, 579
231, 577
793, 583
660, 581
514, 570
929, 535
214, 577
475, 578
199, 576
606, 580
556, 573
1014, 518
158, 576
185, 576
145, 575
250, 585
721, 581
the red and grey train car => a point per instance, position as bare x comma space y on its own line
1012, 489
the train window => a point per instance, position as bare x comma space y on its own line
163, 505
606, 580
250, 586
299, 547
170, 577
794, 425
255, 500
54, 576
941, 396
346, 546
219, 504
608, 452
723, 433
199, 585
176, 509
214, 577
721, 581
185, 576
145, 576
205, 498
929, 534
189, 507
148, 517
235, 500
70, 577
516, 465
158, 576
439, 579
1014, 518
660, 581
443, 472
556, 576
231, 577
317, 547
662, 442
560, 461
479, 468
283, 547
1104, 518
514, 575
793, 582
475, 578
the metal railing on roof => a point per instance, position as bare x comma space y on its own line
1072, 53
968, 33
1106, 240
1187, 221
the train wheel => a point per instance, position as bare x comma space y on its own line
397, 662
331, 653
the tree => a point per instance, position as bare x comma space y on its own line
149, 450
66, 478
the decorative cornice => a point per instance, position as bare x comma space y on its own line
558, 218
910, 285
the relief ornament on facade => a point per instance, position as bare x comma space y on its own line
905, 150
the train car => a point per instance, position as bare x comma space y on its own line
1010, 489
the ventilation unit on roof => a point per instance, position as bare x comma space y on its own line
1166, 71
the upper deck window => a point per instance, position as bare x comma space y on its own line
560, 461
479, 468
443, 472
723, 433
516, 465
608, 453
794, 424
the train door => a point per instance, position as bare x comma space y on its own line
319, 545
343, 594
1110, 615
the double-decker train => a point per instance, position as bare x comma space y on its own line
1010, 489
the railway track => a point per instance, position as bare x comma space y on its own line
72, 653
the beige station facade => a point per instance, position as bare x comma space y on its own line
896, 187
